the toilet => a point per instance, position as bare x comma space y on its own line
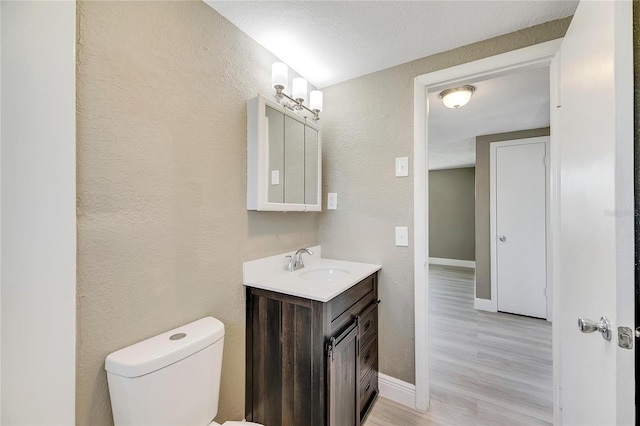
169, 379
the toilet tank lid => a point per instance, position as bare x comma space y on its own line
162, 350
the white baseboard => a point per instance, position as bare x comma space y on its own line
484, 305
452, 262
397, 391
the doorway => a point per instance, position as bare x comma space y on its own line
497, 365
524, 59
591, 189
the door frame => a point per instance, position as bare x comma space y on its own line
493, 223
535, 56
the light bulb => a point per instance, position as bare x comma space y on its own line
315, 100
279, 74
299, 91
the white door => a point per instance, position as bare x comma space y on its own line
520, 225
595, 251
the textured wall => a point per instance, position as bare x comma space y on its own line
483, 215
162, 222
368, 121
452, 197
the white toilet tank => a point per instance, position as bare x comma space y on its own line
169, 379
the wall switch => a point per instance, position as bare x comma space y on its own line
275, 177
402, 236
402, 166
332, 200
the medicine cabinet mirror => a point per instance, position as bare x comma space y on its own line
283, 159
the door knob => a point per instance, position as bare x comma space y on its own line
502, 238
585, 325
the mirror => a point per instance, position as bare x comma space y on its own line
275, 138
294, 161
283, 159
311, 166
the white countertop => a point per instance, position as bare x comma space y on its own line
269, 274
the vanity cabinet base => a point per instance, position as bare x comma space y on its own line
306, 363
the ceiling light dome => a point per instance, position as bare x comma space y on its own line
457, 97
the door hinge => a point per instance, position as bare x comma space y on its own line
559, 397
545, 161
330, 345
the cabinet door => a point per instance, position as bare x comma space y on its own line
293, 161
343, 378
275, 142
311, 166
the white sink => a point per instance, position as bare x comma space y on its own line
324, 274
321, 279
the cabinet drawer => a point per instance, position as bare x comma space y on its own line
341, 303
368, 390
369, 357
344, 308
368, 323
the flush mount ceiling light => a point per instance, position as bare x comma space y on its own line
280, 79
457, 97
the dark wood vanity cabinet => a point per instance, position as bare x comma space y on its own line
311, 363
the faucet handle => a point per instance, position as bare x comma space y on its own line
289, 267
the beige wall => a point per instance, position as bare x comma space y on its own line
483, 217
162, 222
368, 121
452, 213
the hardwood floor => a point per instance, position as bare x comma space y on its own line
485, 368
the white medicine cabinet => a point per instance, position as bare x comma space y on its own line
284, 159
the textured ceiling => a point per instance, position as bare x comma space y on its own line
332, 41
518, 101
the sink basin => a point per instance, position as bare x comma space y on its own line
324, 274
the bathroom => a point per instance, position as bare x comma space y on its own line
155, 181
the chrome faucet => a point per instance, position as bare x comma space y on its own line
295, 261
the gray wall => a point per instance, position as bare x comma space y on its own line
483, 217
452, 232
368, 121
163, 226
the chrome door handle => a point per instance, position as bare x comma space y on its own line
503, 238
585, 325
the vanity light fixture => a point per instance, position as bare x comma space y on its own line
280, 79
457, 97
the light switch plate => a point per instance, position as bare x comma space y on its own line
402, 236
332, 201
402, 166
275, 177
